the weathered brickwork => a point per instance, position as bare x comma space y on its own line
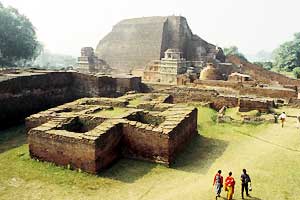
248, 104
25, 94
91, 134
184, 94
133, 43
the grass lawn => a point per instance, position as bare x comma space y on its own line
236, 115
136, 101
111, 113
271, 155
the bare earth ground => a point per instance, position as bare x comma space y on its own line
271, 155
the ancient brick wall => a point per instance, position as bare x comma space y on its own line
25, 95
229, 101
189, 94
294, 103
126, 84
182, 134
85, 85
218, 83
281, 93
246, 105
145, 144
49, 147
22, 96
185, 94
108, 147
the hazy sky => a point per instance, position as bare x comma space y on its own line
64, 26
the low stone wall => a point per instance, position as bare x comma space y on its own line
246, 105
218, 83
193, 94
249, 89
229, 101
281, 93
189, 94
294, 103
217, 101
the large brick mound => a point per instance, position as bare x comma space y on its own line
133, 43
92, 133
262, 75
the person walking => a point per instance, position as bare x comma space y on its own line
245, 179
229, 186
218, 183
282, 117
298, 121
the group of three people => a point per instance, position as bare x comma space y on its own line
230, 183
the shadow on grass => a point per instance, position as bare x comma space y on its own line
200, 154
12, 137
128, 170
253, 198
197, 157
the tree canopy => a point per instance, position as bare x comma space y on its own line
18, 42
266, 65
287, 56
233, 50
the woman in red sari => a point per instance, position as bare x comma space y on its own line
229, 186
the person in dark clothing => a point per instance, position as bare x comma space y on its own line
245, 178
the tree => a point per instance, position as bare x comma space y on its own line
296, 72
233, 50
287, 56
18, 42
266, 65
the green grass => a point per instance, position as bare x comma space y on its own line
115, 112
270, 153
136, 101
288, 110
288, 74
12, 138
236, 115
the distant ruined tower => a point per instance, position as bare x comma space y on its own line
89, 63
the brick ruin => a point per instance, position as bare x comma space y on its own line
89, 63
92, 133
23, 93
171, 69
163, 51
261, 99
133, 43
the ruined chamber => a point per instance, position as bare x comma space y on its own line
92, 133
